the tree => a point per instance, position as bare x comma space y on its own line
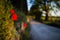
44, 6
35, 10
57, 3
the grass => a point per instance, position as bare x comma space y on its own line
52, 21
54, 24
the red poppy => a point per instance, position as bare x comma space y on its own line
14, 17
25, 25
12, 11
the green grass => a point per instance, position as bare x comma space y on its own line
53, 24
52, 21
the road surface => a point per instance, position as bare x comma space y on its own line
39, 31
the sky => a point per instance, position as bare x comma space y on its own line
29, 4
53, 13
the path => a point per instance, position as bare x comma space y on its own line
41, 31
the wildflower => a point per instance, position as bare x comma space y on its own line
14, 17
12, 11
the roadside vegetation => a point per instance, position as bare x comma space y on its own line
52, 21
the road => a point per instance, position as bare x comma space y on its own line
39, 31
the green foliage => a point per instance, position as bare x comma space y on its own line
53, 21
35, 10
21, 15
7, 30
53, 24
46, 7
26, 33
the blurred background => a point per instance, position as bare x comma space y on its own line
42, 11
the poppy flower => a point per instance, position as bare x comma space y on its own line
12, 11
25, 25
14, 17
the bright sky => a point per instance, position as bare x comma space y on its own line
51, 12
29, 4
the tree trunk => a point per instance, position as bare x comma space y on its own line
46, 10
46, 18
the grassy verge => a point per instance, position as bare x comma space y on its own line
54, 24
